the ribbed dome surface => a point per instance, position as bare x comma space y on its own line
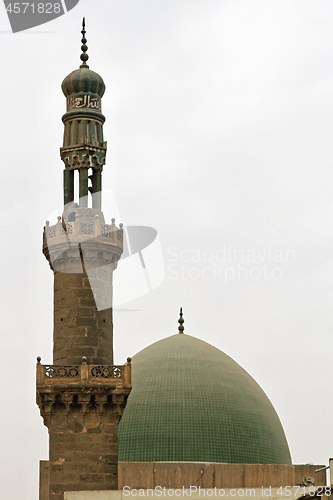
83, 80
191, 402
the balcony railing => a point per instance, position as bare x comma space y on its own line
84, 229
84, 373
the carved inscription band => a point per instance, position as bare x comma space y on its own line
85, 101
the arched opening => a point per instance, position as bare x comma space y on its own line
92, 405
109, 404
75, 406
58, 406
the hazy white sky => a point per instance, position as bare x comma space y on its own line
219, 129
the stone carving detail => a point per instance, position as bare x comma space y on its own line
87, 228
73, 161
51, 232
61, 371
106, 372
86, 101
70, 228
106, 230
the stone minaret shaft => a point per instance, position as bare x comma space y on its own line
90, 248
82, 395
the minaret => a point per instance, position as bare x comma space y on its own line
82, 396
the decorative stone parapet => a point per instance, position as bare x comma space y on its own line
78, 387
91, 234
117, 376
83, 230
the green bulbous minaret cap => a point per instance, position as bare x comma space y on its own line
83, 79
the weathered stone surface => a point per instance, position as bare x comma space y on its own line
76, 315
82, 412
44, 479
90, 302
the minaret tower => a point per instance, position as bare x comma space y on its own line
82, 396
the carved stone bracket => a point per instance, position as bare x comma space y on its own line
82, 389
75, 159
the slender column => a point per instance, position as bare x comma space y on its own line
92, 131
96, 189
84, 132
99, 132
99, 189
68, 186
67, 134
83, 173
75, 132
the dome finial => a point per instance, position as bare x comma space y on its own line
84, 57
181, 321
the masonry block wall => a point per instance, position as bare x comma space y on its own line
83, 446
80, 329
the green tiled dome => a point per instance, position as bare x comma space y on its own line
191, 402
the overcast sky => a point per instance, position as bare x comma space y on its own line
219, 129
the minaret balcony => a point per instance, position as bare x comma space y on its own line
90, 376
82, 389
91, 235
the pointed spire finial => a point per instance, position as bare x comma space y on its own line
84, 57
181, 321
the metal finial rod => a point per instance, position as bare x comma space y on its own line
181, 321
84, 57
